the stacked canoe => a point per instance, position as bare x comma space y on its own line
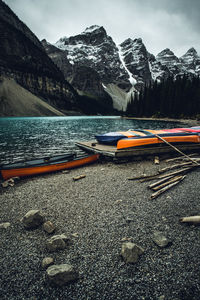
144, 138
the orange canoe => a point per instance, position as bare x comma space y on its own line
135, 142
10, 170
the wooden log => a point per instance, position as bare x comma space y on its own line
156, 194
141, 177
79, 177
180, 157
152, 185
173, 179
175, 167
182, 171
191, 219
175, 148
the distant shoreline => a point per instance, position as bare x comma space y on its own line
190, 122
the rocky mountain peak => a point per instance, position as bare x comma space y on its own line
135, 56
95, 49
191, 53
190, 62
170, 60
166, 52
94, 29
93, 35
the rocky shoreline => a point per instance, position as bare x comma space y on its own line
186, 122
100, 214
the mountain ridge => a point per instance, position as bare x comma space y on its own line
114, 68
140, 64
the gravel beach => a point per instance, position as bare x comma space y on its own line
99, 212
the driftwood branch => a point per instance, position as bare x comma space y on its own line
171, 180
79, 177
161, 191
152, 185
175, 167
181, 157
182, 171
175, 148
142, 176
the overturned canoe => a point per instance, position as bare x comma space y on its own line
154, 140
45, 165
112, 138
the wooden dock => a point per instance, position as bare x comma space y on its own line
112, 152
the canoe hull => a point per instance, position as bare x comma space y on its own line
138, 142
112, 138
29, 171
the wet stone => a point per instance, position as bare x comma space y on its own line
33, 219
62, 274
131, 252
4, 225
57, 242
46, 262
160, 239
49, 227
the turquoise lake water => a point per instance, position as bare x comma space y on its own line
23, 138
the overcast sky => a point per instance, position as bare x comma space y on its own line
161, 24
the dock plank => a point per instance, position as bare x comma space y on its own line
111, 151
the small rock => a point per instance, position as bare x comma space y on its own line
129, 219
57, 242
47, 261
118, 201
131, 252
49, 227
62, 274
33, 219
4, 225
66, 171
9, 182
160, 240
75, 235
16, 178
125, 239
156, 160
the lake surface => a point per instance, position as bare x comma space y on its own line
22, 138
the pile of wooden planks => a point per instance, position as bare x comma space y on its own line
170, 176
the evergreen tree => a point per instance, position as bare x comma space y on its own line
170, 98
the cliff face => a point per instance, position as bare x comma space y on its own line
82, 77
88, 60
23, 58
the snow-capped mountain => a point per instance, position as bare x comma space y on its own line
95, 49
190, 62
168, 58
91, 59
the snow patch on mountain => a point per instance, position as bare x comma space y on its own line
132, 80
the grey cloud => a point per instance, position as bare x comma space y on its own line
160, 23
